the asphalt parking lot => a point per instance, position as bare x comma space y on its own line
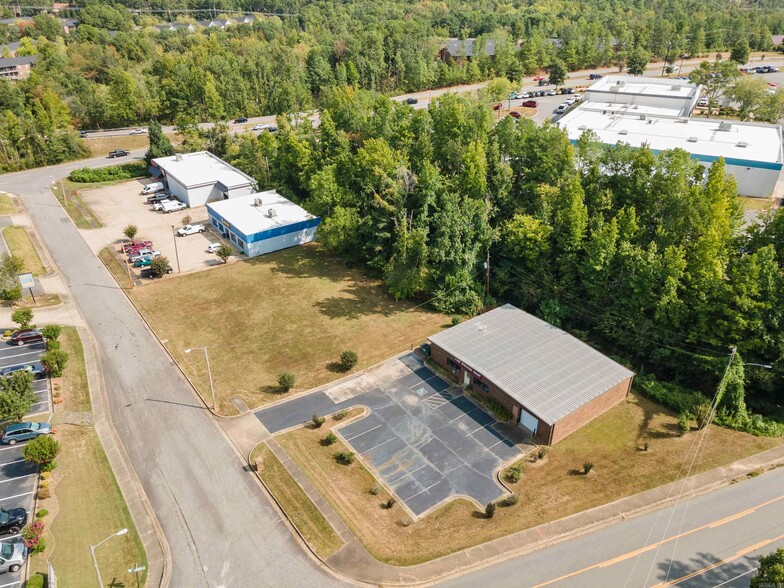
12, 355
428, 444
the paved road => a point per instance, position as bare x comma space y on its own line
220, 527
721, 538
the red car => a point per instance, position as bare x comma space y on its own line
515, 114
497, 106
531, 104
136, 244
539, 78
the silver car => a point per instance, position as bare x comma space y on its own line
12, 556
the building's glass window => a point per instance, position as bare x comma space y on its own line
214, 223
232, 237
452, 365
481, 385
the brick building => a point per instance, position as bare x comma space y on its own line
16, 68
551, 382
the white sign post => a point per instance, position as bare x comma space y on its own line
27, 281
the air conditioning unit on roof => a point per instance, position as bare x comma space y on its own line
272, 213
623, 132
725, 126
692, 139
257, 202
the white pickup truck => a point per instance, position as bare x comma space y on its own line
190, 230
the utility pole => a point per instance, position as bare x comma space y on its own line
176, 252
487, 274
666, 57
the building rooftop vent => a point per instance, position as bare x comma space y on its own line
257, 202
692, 139
676, 88
583, 127
623, 132
481, 327
725, 126
272, 213
643, 117
743, 144
178, 156
683, 120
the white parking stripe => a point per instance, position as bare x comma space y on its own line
11, 447
17, 478
17, 583
37, 403
9, 462
10, 537
22, 354
362, 433
17, 496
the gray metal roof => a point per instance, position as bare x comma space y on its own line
548, 371
24, 60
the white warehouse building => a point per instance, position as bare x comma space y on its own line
752, 152
201, 177
262, 223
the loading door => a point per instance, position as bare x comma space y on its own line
529, 421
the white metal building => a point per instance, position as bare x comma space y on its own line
201, 177
752, 151
669, 97
261, 223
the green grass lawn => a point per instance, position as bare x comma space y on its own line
20, 244
304, 515
72, 203
6, 205
293, 310
87, 505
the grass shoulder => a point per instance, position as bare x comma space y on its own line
301, 511
7, 206
549, 489
117, 269
67, 194
21, 244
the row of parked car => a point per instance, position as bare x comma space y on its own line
160, 199
761, 69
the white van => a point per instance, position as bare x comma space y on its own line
152, 188
173, 206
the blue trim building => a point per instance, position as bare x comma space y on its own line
261, 223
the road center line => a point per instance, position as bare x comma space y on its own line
642, 550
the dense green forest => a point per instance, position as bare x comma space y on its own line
643, 254
118, 70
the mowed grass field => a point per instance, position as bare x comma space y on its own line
20, 244
549, 489
293, 310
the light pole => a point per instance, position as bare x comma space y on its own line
92, 552
176, 253
209, 372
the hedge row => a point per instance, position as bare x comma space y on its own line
671, 395
109, 174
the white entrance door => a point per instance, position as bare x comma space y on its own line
466, 379
529, 421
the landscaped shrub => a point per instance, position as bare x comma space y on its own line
513, 473
318, 420
130, 231
339, 416
542, 453
702, 413
286, 381
669, 394
55, 360
330, 439
375, 490
48, 466
587, 467
34, 537
490, 510
498, 410
41, 513
684, 423
23, 317
510, 500
348, 359
344, 457
109, 174
44, 492
41, 450
455, 320
390, 503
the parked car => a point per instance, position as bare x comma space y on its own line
242, 119
173, 206
118, 153
561, 108
13, 555
263, 127
153, 187
525, 95
550, 93
538, 78
190, 230
531, 104
36, 368
158, 197
213, 247
26, 336
138, 132
497, 106
412, 101
12, 521
570, 100
702, 102
544, 82
595, 76
144, 253
24, 431
158, 204
147, 272
82, 134
567, 90
514, 96
578, 97
136, 244
515, 114
145, 261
